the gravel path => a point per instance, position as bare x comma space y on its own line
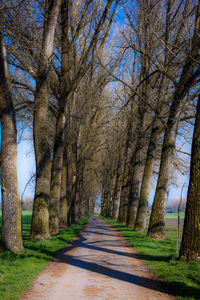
98, 265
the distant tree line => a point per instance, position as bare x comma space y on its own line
176, 203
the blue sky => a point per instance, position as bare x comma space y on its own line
25, 166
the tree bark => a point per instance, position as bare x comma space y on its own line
11, 207
40, 218
135, 182
123, 211
156, 225
63, 220
137, 167
71, 187
190, 246
122, 216
117, 190
105, 204
140, 223
56, 175
116, 200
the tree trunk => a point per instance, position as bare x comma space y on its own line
123, 208
11, 207
102, 204
140, 223
63, 220
134, 189
77, 202
157, 224
109, 206
56, 175
71, 187
137, 167
105, 204
119, 218
82, 201
190, 246
79, 206
116, 200
117, 191
40, 218
122, 216
124, 199
76, 184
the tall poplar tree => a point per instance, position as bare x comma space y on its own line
40, 218
190, 72
190, 246
11, 207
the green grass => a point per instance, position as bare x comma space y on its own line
160, 256
17, 271
174, 215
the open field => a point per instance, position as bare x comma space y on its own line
174, 215
161, 257
17, 271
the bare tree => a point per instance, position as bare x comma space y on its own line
190, 246
11, 207
40, 218
70, 81
190, 72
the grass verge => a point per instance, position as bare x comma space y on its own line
17, 271
174, 216
160, 256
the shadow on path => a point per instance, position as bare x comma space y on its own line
80, 262
137, 280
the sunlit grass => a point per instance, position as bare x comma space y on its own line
161, 257
17, 271
174, 215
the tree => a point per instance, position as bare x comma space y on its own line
40, 218
70, 80
190, 246
140, 223
11, 207
189, 74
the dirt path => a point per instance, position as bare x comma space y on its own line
99, 265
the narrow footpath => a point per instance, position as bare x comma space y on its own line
98, 265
